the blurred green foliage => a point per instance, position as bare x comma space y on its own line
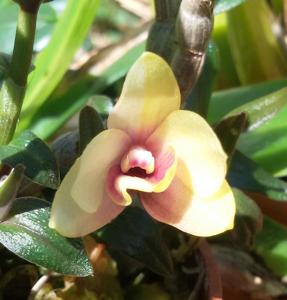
82, 52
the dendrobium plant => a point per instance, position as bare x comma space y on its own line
171, 157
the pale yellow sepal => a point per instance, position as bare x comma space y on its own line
150, 93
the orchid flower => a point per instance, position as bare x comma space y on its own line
170, 157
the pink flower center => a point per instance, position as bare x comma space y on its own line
138, 162
142, 171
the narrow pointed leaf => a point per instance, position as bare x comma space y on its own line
263, 109
253, 43
225, 5
59, 109
66, 151
9, 185
90, 124
54, 60
221, 103
228, 132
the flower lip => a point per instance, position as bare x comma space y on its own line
138, 160
131, 174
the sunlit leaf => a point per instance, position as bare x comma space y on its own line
227, 76
60, 108
255, 48
267, 145
271, 244
225, 5
223, 102
54, 60
262, 110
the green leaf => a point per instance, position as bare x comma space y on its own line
52, 63
59, 109
9, 185
267, 145
253, 43
35, 155
223, 102
225, 5
102, 104
228, 132
263, 109
136, 235
4, 66
247, 211
248, 220
227, 76
90, 124
26, 233
66, 151
248, 176
271, 244
277, 6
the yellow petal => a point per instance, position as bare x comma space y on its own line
149, 94
105, 150
203, 161
69, 219
179, 207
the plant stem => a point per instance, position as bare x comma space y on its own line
193, 28
23, 47
13, 88
161, 39
285, 14
166, 9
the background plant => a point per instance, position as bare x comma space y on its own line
81, 53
